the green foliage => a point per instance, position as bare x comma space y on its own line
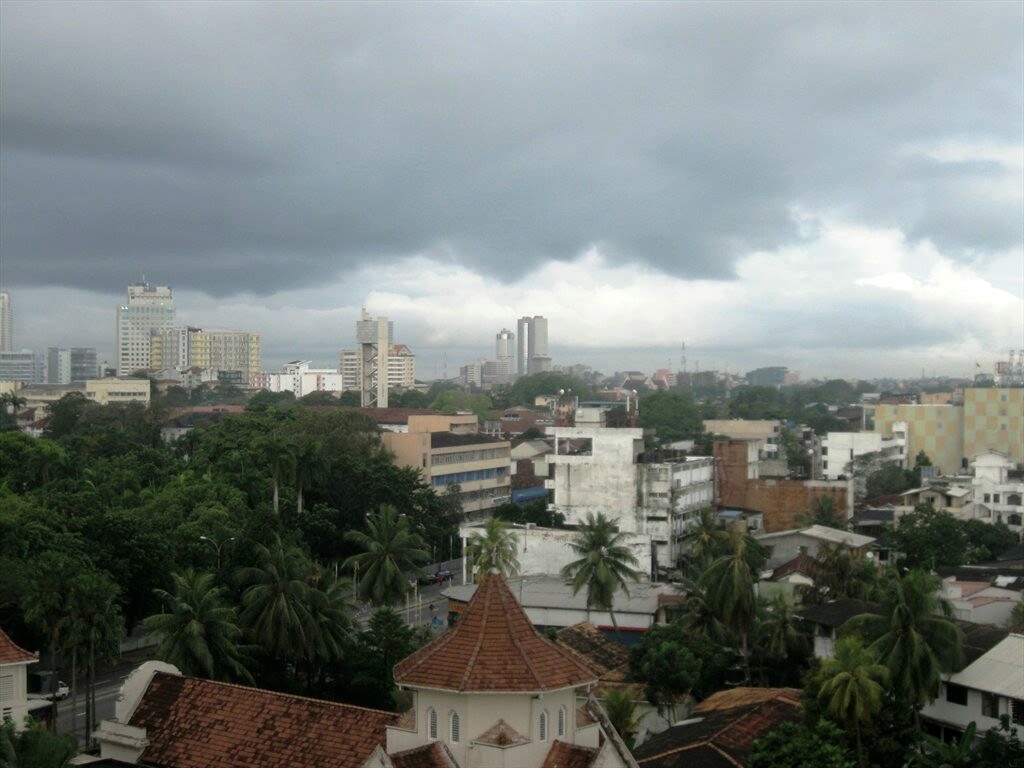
912, 637
411, 398
888, 480
493, 547
796, 745
535, 512
673, 415
199, 629
605, 565
386, 641
757, 403
1017, 618
853, 686
527, 389
837, 573
620, 707
34, 747
927, 538
986, 541
797, 458
391, 549
664, 663
264, 401
455, 401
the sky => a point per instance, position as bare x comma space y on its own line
838, 188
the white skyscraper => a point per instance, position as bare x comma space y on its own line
6, 323
532, 352
149, 308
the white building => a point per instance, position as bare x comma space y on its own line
783, 546
6, 322
149, 308
983, 691
14, 701
58, 366
300, 379
532, 351
998, 487
837, 451
600, 470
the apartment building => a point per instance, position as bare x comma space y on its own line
218, 349
836, 452
401, 368
299, 378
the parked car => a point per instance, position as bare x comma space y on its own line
63, 690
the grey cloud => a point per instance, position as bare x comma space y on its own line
254, 147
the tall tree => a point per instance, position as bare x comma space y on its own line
279, 455
729, 582
912, 636
606, 565
620, 706
494, 547
391, 549
853, 684
310, 465
199, 629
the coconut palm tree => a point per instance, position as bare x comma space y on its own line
494, 547
620, 707
729, 584
310, 466
276, 611
707, 541
912, 637
391, 549
279, 455
605, 565
199, 630
853, 684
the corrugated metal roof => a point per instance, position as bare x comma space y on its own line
1000, 671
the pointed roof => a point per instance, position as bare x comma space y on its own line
10, 653
493, 648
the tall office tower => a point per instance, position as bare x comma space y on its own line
58, 366
83, 363
505, 347
374, 338
24, 366
532, 352
149, 308
6, 322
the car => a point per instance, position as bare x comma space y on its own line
63, 690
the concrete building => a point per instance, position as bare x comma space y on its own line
58, 366
595, 469
532, 351
401, 368
998, 490
836, 452
765, 431
149, 308
994, 421
990, 687
299, 378
935, 429
6, 322
117, 390
374, 338
83, 364
783, 546
216, 349
505, 348
24, 366
447, 453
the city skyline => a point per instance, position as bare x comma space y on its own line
742, 179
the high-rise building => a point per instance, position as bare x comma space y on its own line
532, 351
83, 363
505, 346
374, 338
58, 366
149, 308
224, 350
401, 367
6, 322
24, 366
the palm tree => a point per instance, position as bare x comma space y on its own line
604, 567
199, 630
391, 550
620, 707
276, 610
495, 547
911, 638
779, 636
279, 454
853, 686
701, 615
707, 540
330, 605
310, 466
729, 584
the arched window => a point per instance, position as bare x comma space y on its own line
431, 724
453, 723
561, 721
542, 730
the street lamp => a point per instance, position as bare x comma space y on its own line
217, 546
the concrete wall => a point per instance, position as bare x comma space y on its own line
938, 430
994, 421
960, 716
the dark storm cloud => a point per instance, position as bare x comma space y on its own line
229, 147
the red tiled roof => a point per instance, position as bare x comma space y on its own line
428, 756
594, 649
800, 564
493, 647
564, 755
11, 653
193, 723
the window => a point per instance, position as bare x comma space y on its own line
542, 730
988, 498
995, 498
561, 721
1017, 711
989, 705
432, 724
956, 694
6, 687
453, 723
